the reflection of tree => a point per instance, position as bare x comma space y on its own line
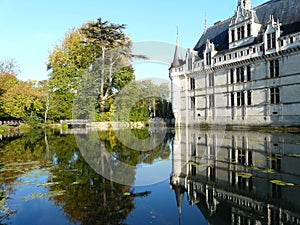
19, 155
85, 196
133, 157
89, 198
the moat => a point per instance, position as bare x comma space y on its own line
191, 176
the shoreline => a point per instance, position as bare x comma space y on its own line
23, 128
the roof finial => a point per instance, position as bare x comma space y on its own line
239, 3
177, 55
205, 22
246, 4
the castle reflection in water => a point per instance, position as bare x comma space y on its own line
238, 177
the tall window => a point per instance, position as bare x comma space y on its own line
232, 35
275, 95
212, 173
276, 162
248, 73
238, 98
243, 98
248, 30
241, 156
193, 170
232, 98
190, 64
249, 97
274, 68
231, 76
193, 102
271, 40
192, 83
211, 101
208, 58
240, 76
193, 149
211, 80
240, 32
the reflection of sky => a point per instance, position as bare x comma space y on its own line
160, 207
150, 174
33, 211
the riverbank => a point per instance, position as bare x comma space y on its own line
23, 128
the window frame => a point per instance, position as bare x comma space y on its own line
274, 68
274, 95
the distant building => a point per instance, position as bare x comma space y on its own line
244, 70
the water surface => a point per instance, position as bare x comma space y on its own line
198, 177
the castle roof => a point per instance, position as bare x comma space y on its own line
177, 61
286, 11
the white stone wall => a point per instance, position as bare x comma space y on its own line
260, 112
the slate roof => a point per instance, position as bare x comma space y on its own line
177, 61
287, 11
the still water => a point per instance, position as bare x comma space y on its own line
190, 176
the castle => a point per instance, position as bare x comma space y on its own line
244, 70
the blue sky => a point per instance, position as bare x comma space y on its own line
29, 29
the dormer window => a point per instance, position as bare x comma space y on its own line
240, 32
232, 35
271, 40
272, 34
190, 64
244, 26
208, 58
248, 30
281, 43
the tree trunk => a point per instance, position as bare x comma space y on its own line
47, 107
102, 80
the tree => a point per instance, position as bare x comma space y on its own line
22, 101
99, 49
7, 81
67, 62
112, 53
9, 66
142, 100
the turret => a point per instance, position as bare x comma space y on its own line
177, 60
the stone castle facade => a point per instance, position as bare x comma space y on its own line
244, 70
